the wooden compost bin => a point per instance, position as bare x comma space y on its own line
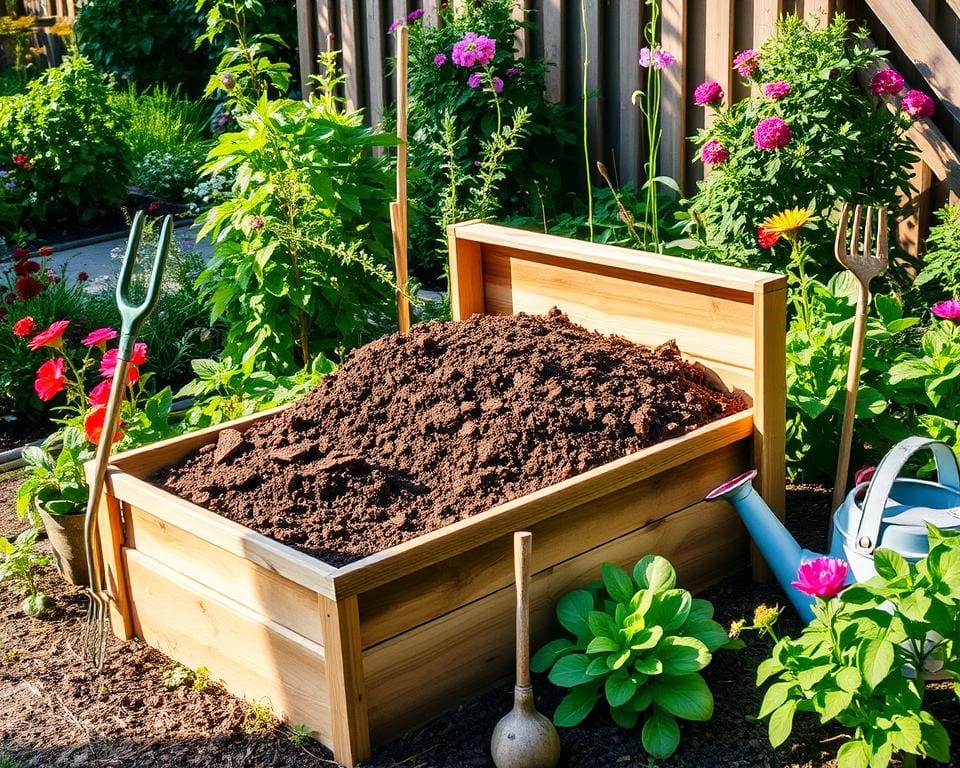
363, 652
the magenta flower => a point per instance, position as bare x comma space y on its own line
497, 85
777, 89
99, 336
708, 93
772, 133
512, 72
886, 82
414, 15
864, 475
917, 104
714, 153
823, 577
645, 57
397, 23
747, 62
663, 59
474, 80
474, 49
440, 59
948, 310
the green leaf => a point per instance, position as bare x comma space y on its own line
602, 625
708, 632
571, 671
660, 735
853, 754
700, 610
775, 696
575, 706
781, 723
625, 717
767, 668
849, 679
617, 583
890, 564
834, 703
875, 661
681, 655
936, 742
646, 639
619, 689
648, 665
573, 610
546, 657
603, 645
654, 572
687, 697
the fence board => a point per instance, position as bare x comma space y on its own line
719, 50
628, 158
351, 54
552, 25
673, 37
375, 61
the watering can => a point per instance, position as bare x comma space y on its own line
888, 511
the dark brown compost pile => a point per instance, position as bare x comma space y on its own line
417, 431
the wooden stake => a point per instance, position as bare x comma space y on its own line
522, 542
398, 209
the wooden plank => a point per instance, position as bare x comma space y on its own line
819, 11
399, 8
373, 50
431, 12
474, 645
253, 657
445, 586
326, 24
466, 276
236, 577
629, 81
718, 53
348, 699
307, 44
673, 38
910, 229
111, 536
225, 534
350, 46
521, 40
397, 561
921, 44
552, 25
578, 252
765, 15
770, 409
594, 70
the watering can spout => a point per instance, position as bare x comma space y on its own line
781, 551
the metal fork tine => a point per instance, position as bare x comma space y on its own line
868, 233
855, 237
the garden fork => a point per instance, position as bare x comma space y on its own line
864, 259
94, 636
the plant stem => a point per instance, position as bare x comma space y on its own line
586, 144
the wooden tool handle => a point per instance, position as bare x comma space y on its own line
398, 209
522, 542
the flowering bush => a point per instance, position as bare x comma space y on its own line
809, 138
169, 174
456, 69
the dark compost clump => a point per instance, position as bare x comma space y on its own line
418, 431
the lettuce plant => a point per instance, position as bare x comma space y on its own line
18, 565
856, 663
639, 643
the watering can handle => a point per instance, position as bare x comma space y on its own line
948, 475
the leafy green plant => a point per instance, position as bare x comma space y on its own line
197, 679
55, 481
856, 663
640, 643
258, 716
941, 271
160, 119
18, 566
169, 174
840, 144
69, 178
298, 734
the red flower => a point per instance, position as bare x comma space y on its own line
27, 267
19, 253
99, 336
108, 363
27, 287
45, 252
53, 277
93, 425
10, 298
82, 277
50, 379
24, 327
153, 207
766, 238
100, 393
51, 337
21, 160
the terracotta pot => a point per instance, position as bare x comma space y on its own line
65, 533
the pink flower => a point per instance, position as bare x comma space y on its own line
440, 59
772, 133
497, 85
663, 59
948, 310
108, 363
474, 80
777, 89
50, 379
917, 104
474, 49
864, 475
886, 82
645, 57
397, 23
50, 337
99, 336
708, 93
746, 62
512, 72
100, 393
414, 15
823, 577
714, 153
766, 238
24, 327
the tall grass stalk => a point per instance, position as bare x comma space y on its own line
161, 120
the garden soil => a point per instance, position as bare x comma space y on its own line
55, 712
418, 431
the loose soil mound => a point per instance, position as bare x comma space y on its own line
419, 431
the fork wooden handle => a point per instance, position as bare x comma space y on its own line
850, 406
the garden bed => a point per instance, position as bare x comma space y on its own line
364, 651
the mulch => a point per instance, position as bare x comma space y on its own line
56, 713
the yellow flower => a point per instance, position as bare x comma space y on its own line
63, 28
788, 222
764, 617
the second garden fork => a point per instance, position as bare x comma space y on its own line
865, 258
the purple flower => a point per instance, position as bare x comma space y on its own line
948, 310
714, 153
4, 173
497, 85
662, 59
414, 15
474, 80
777, 89
474, 49
772, 133
256, 223
512, 72
645, 57
397, 23
477, 163
708, 93
747, 62
917, 104
886, 82
11, 185
440, 59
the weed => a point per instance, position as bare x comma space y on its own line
258, 717
177, 676
8, 762
298, 734
201, 679
102, 692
